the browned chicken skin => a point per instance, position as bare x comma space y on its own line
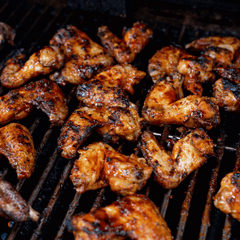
188, 154
13, 206
17, 145
227, 198
7, 34
84, 58
133, 42
43, 94
99, 165
132, 217
163, 106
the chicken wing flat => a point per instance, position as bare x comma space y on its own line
17, 145
132, 217
99, 165
227, 198
133, 42
188, 154
17, 72
7, 34
43, 94
13, 206
84, 58
165, 61
113, 123
163, 106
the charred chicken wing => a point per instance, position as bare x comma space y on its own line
7, 34
133, 42
188, 154
132, 217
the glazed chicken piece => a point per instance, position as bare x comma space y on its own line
163, 106
7, 34
13, 206
112, 123
132, 217
84, 58
17, 145
165, 61
188, 154
17, 71
43, 94
227, 198
133, 42
99, 165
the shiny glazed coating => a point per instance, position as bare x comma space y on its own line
17, 145
13, 206
132, 217
227, 198
84, 58
133, 42
188, 154
43, 94
99, 165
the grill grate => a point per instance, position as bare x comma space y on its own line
188, 209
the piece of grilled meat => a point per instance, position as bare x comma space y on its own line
13, 206
133, 42
43, 94
163, 106
84, 58
112, 123
188, 154
16, 144
132, 217
99, 165
7, 34
227, 198
17, 71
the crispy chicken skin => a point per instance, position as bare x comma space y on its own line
99, 165
112, 123
133, 42
13, 206
163, 106
43, 94
188, 154
7, 34
227, 198
16, 73
17, 145
84, 58
132, 217
165, 61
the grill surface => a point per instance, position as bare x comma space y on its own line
188, 209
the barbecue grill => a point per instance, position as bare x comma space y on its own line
188, 209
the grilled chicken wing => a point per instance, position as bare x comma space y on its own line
99, 165
16, 73
163, 106
227, 198
17, 145
133, 42
43, 94
7, 34
132, 217
112, 123
13, 206
84, 57
188, 154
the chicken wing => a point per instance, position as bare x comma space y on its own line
99, 165
113, 123
43, 94
84, 58
133, 42
13, 206
17, 145
7, 34
132, 217
227, 198
163, 106
188, 154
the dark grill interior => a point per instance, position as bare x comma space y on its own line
188, 209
